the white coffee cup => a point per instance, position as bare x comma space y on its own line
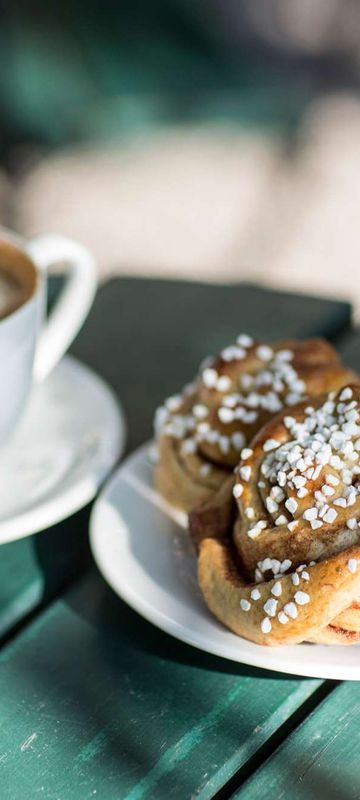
30, 347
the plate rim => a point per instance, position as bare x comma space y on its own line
45, 514
257, 658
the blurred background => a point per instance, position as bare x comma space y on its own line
214, 140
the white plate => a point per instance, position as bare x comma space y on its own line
144, 552
64, 447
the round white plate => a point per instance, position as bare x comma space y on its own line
144, 552
68, 440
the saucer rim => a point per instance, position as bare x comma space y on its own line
47, 513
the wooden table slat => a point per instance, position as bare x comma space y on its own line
96, 700
147, 337
35, 569
319, 760
349, 348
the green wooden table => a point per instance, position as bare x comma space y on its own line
97, 703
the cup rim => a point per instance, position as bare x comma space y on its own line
19, 244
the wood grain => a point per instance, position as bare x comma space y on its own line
148, 337
319, 760
95, 698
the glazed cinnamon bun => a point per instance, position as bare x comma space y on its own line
202, 431
290, 570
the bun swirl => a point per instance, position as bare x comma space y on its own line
290, 571
202, 431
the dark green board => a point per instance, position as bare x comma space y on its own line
95, 699
34, 569
320, 760
349, 347
146, 337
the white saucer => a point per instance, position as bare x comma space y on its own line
70, 437
143, 551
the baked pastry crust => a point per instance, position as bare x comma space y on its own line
290, 571
202, 432
331, 584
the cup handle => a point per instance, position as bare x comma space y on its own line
74, 302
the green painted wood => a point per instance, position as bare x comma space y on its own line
95, 702
349, 347
146, 337
320, 760
35, 569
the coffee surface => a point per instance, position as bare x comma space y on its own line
18, 277
12, 293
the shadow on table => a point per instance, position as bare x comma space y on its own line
62, 553
116, 622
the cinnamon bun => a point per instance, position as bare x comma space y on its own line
290, 570
202, 431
